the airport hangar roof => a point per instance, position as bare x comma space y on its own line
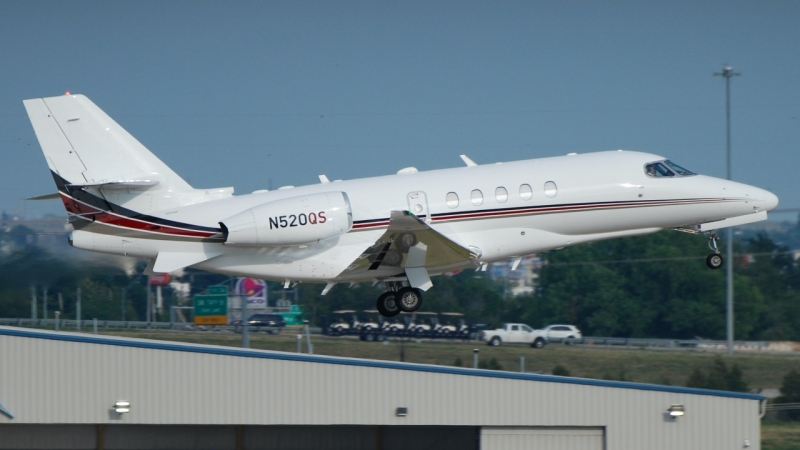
285, 356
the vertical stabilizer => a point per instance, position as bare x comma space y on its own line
86, 149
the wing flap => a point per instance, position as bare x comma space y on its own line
409, 243
167, 262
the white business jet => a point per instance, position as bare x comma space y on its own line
399, 229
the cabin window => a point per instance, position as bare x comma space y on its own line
525, 191
501, 194
550, 189
452, 200
477, 197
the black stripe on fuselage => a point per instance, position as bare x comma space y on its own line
104, 205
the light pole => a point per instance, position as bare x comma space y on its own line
728, 73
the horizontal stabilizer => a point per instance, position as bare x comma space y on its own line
167, 262
117, 184
46, 197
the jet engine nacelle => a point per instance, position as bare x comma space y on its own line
297, 220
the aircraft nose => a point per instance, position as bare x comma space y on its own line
768, 200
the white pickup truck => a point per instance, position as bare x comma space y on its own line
515, 333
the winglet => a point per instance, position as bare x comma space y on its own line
467, 161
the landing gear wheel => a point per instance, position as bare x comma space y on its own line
408, 299
386, 304
714, 261
405, 241
392, 258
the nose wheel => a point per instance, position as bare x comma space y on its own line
714, 260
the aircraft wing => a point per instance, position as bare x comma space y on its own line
409, 246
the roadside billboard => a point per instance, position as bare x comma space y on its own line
255, 291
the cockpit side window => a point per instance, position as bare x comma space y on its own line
679, 169
657, 170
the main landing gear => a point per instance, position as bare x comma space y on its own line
714, 260
399, 298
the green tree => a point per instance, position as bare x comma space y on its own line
718, 377
561, 371
790, 393
491, 364
697, 379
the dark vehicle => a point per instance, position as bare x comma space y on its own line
272, 323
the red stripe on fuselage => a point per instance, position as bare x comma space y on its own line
97, 215
543, 210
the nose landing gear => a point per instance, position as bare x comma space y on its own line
714, 260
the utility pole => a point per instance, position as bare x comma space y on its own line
78, 307
33, 302
728, 73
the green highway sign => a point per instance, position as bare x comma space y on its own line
218, 290
212, 309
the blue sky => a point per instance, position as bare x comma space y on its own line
260, 94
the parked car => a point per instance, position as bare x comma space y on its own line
562, 333
514, 333
273, 323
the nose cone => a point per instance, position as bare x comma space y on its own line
767, 200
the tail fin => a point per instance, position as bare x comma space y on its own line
86, 149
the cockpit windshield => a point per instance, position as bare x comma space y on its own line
679, 169
658, 170
665, 168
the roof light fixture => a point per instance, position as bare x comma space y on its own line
676, 411
122, 407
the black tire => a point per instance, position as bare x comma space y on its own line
538, 343
369, 337
714, 261
392, 258
274, 331
380, 337
386, 304
495, 341
405, 241
408, 299
569, 340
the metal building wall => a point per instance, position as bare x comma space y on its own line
53, 381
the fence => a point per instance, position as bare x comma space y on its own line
88, 326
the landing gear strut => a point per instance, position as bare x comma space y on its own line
397, 299
714, 260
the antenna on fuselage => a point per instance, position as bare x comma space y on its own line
467, 161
